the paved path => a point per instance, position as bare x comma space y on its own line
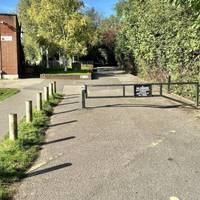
117, 149
16, 103
28, 89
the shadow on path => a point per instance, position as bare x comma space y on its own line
50, 169
71, 95
68, 111
63, 123
137, 106
179, 101
59, 140
62, 104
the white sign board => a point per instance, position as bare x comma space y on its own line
143, 90
6, 38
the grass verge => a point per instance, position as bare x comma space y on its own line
7, 92
17, 156
85, 70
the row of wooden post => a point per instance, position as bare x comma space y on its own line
13, 124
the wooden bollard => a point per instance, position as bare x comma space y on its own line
50, 89
13, 133
197, 95
161, 89
124, 90
54, 87
29, 111
169, 85
83, 98
39, 101
46, 93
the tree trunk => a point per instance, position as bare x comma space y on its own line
47, 58
60, 59
65, 64
70, 62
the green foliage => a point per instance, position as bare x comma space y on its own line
84, 70
7, 92
194, 4
102, 45
31, 46
158, 38
17, 156
58, 26
48, 105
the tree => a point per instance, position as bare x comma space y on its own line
194, 4
160, 37
157, 38
108, 31
60, 22
29, 28
54, 26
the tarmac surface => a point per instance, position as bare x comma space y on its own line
28, 90
117, 149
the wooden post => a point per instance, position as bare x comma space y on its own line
54, 87
86, 91
29, 111
161, 89
124, 90
169, 84
197, 95
50, 89
83, 98
13, 134
46, 93
39, 101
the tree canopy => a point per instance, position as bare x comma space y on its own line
152, 38
157, 38
54, 24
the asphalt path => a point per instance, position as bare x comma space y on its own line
117, 149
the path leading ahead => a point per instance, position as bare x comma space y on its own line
117, 149
16, 104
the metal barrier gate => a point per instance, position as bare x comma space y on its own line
140, 90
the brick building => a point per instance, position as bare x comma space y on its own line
10, 46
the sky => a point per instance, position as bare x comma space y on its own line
105, 7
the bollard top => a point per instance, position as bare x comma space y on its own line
83, 87
12, 113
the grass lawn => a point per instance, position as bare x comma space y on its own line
17, 156
7, 92
85, 69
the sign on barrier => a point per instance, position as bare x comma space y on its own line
143, 90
